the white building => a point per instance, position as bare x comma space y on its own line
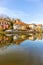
15, 26
32, 26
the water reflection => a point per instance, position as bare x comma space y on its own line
21, 49
9, 39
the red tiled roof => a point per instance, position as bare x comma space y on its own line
20, 23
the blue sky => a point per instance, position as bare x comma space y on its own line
29, 11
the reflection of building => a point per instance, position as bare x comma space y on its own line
23, 36
15, 37
32, 37
18, 41
19, 38
6, 40
39, 37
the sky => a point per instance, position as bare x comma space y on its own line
29, 11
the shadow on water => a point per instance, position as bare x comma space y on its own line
21, 49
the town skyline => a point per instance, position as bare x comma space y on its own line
29, 11
8, 24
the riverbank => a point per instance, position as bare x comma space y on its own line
19, 32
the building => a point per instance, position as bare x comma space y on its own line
18, 25
32, 26
5, 25
39, 26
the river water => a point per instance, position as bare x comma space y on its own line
21, 49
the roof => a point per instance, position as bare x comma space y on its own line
32, 24
39, 25
19, 22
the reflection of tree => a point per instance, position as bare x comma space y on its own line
18, 38
5, 40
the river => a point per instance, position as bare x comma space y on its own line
21, 49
